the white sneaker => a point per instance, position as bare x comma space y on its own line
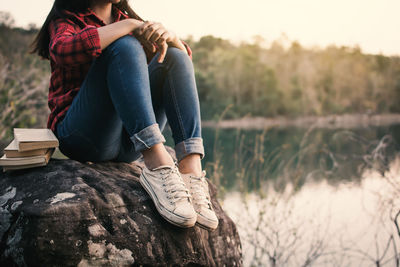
172, 199
198, 187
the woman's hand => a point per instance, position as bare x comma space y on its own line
111, 32
155, 33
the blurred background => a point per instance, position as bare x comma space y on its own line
301, 117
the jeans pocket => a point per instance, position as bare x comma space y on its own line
77, 146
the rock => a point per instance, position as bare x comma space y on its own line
74, 214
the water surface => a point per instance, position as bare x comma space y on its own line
308, 196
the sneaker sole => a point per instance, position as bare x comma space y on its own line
205, 227
184, 223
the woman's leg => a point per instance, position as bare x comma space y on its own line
173, 85
114, 102
174, 93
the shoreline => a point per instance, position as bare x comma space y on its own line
346, 121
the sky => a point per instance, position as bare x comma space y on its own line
373, 25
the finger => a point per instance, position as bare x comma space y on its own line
146, 44
150, 30
163, 38
163, 52
153, 48
149, 46
156, 35
140, 30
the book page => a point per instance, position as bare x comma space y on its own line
12, 146
34, 135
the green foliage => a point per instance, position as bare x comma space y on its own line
24, 80
292, 81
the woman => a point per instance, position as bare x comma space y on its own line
115, 82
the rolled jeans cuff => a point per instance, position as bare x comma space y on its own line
147, 137
189, 146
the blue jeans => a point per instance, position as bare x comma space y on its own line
123, 106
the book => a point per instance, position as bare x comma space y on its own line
31, 139
25, 161
11, 151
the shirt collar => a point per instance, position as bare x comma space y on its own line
117, 13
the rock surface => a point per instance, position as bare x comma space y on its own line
74, 214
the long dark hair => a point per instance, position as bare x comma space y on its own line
41, 43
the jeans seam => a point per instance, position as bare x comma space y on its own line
120, 74
176, 105
143, 142
119, 71
139, 142
180, 154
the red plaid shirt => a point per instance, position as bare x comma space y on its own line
74, 44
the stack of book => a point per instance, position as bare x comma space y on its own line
30, 148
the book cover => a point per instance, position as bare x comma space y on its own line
15, 162
11, 151
31, 139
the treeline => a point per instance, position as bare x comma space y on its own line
252, 79
293, 81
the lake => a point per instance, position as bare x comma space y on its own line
309, 196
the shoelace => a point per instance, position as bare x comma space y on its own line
174, 186
199, 188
